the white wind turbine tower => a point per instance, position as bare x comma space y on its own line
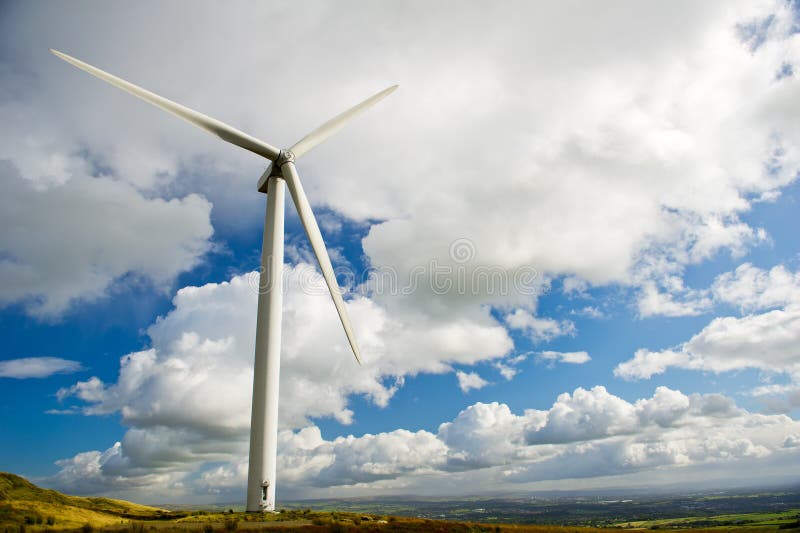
282, 172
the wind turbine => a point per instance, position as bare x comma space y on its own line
281, 172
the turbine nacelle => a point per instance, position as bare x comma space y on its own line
274, 169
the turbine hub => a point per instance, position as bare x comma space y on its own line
285, 156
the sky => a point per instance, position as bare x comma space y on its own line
568, 243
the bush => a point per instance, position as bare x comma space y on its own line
87, 528
51, 520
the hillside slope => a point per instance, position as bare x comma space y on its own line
22, 502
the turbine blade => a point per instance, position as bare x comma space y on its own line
320, 134
318, 245
211, 125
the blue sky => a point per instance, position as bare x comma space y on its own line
646, 173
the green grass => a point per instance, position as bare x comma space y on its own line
742, 520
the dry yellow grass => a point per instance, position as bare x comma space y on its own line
22, 502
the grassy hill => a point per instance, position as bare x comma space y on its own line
26, 508
22, 502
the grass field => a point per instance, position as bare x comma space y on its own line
26, 508
23, 503
749, 520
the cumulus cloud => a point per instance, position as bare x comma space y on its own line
587, 433
748, 288
469, 381
778, 398
646, 364
677, 134
204, 348
767, 341
618, 141
508, 372
676, 301
70, 241
95, 472
484, 435
751, 288
622, 155
539, 329
585, 415
37, 367
595, 414
383, 456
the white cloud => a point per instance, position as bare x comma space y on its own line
469, 381
769, 341
675, 134
589, 312
624, 153
94, 471
766, 341
539, 329
508, 372
585, 434
177, 437
508, 367
37, 367
596, 414
646, 364
203, 348
585, 415
71, 241
382, 456
748, 287
779, 398
751, 288
575, 358
652, 302
484, 435
572, 286
617, 141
